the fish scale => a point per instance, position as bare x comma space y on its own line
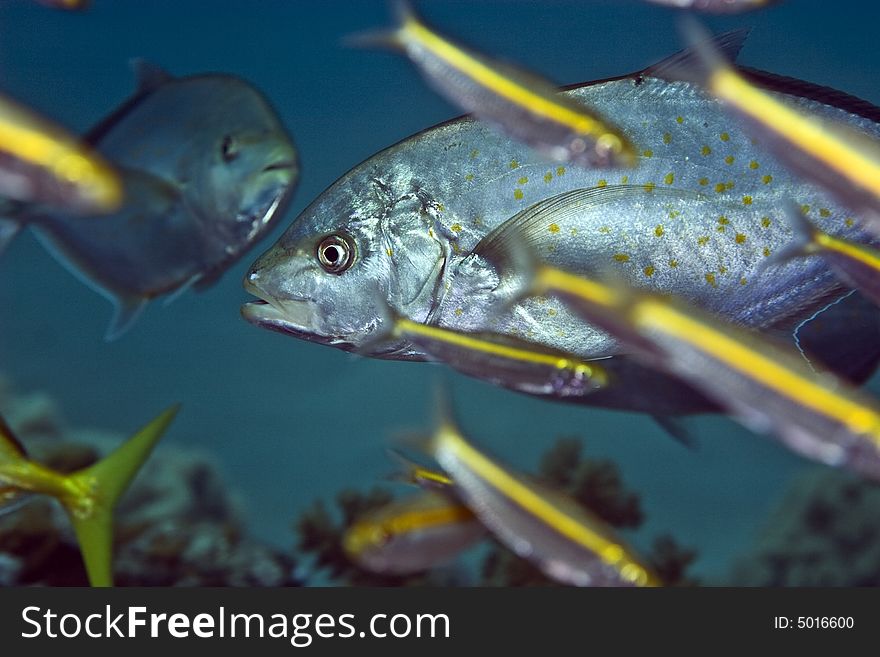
706, 209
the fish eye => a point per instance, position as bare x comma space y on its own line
228, 149
336, 253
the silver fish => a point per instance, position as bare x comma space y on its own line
206, 167
421, 223
412, 534
539, 523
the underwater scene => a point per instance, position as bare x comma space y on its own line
603, 337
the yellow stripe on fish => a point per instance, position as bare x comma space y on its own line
521, 104
33, 140
412, 534
503, 86
595, 373
447, 440
802, 132
769, 387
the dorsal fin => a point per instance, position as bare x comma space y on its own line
821, 94
727, 44
149, 76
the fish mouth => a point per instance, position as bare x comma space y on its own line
274, 317
296, 317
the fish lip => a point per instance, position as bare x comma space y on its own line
267, 313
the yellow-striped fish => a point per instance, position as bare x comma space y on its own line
412, 535
512, 363
538, 523
857, 264
88, 496
520, 104
41, 163
766, 386
840, 158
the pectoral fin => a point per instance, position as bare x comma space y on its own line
527, 230
125, 314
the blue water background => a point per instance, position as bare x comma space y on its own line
290, 421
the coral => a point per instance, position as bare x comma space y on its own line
824, 532
177, 525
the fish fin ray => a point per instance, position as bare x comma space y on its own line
704, 51
125, 314
819, 93
842, 337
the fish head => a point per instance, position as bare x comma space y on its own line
242, 175
364, 250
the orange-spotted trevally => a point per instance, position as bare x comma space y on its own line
88, 496
520, 104
537, 522
42, 163
841, 156
422, 223
765, 385
206, 167
412, 534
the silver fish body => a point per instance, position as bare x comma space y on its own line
701, 211
206, 167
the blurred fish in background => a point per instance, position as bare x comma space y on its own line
206, 167
41, 163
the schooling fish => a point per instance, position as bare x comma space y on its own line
841, 156
520, 104
423, 220
540, 524
855, 263
413, 534
767, 386
88, 496
717, 6
41, 163
506, 361
206, 167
